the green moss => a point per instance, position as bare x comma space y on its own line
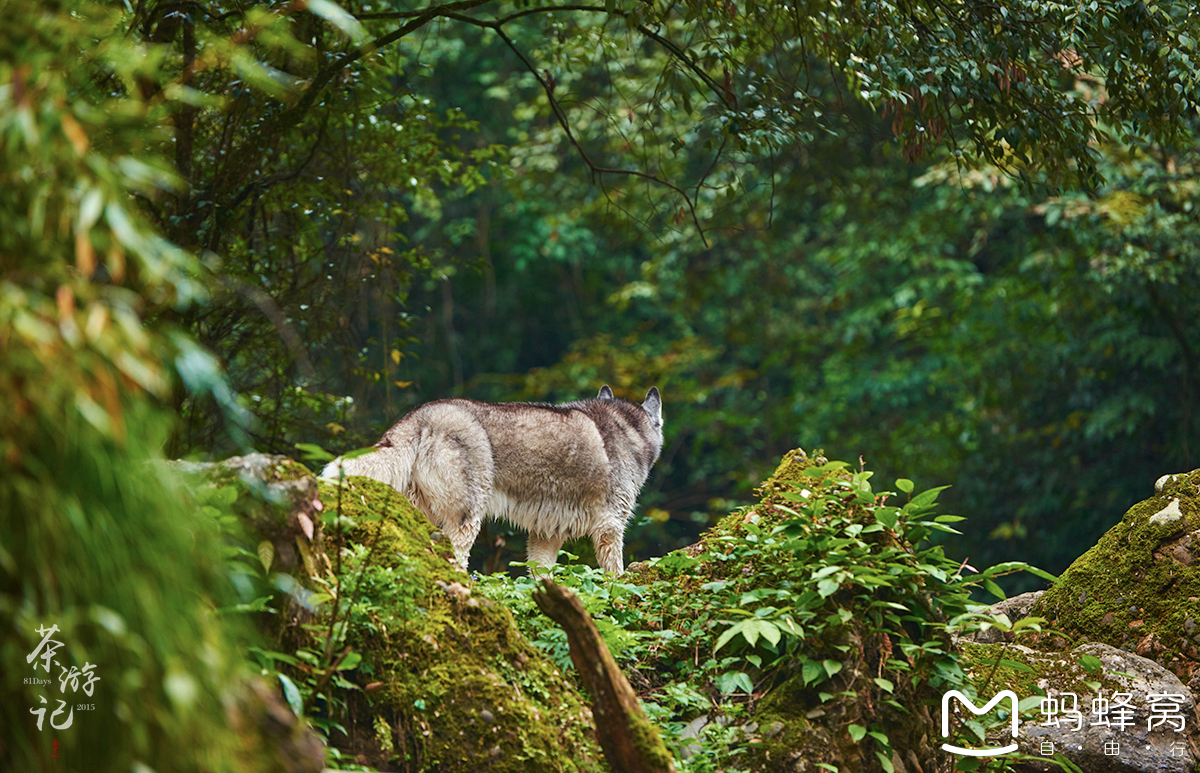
790, 469
1138, 588
649, 743
792, 736
980, 663
452, 678
724, 539
266, 469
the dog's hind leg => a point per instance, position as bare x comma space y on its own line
452, 481
462, 533
543, 550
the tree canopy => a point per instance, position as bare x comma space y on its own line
954, 237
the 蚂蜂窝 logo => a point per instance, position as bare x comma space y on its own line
977, 711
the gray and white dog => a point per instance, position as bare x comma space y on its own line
558, 471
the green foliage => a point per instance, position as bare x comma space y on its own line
353, 175
789, 277
93, 538
315, 672
823, 584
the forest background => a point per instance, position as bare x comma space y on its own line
960, 241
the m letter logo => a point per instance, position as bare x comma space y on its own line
1012, 696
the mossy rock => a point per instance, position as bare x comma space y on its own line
449, 682
1138, 588
445, 682
723, 537
1062, 676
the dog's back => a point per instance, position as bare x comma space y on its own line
558, 471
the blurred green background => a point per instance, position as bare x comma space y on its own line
854, 274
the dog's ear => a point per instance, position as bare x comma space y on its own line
653, 405
605, 393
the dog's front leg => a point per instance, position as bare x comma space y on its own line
610, 550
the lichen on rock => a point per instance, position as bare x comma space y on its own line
1138, 588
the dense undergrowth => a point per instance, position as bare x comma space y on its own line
826, 597
815, 624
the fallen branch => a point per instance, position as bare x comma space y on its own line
629, 741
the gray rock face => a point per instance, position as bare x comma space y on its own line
290, 518
1016, 608
1150, 714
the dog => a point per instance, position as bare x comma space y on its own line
557, 471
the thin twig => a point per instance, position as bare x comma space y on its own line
561, 117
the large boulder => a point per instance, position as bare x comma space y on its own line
380, 637
1138, 588
1121, 621
1103, 709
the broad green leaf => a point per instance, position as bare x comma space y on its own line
314, 453
1042, 573
769, 631
731, 681
828, 587
292, 694
726, 637
926, 498
266, 554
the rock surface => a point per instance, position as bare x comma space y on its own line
1138, 588
1157, 733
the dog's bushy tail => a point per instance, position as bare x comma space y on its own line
392, 465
